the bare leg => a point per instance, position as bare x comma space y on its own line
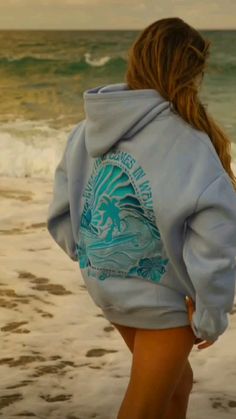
170, 401
178, 406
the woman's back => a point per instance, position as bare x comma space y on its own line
134, 181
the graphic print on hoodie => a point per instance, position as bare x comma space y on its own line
119, 236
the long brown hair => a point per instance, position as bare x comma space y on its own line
168, 56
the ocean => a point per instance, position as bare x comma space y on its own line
43, 75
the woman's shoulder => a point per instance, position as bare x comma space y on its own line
195, 142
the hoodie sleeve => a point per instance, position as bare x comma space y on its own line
58, 218
209, 253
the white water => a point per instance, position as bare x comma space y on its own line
30, 148
96, 63
33, 149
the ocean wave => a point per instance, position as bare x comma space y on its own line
96, 63
30, 150
37, 64
25, 61
51, 63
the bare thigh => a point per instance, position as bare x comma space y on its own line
185, 382
127, 333
159, 360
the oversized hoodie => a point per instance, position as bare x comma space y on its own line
142, 202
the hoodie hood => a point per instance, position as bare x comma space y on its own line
114, 111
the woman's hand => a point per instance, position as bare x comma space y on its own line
191, 309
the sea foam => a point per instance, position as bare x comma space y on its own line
30, 150
33, 149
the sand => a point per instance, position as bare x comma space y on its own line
60, 358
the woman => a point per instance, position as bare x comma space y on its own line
144, 199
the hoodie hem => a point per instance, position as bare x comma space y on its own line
147, 318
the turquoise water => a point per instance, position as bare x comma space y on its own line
43, 75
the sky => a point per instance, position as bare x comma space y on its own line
114, 14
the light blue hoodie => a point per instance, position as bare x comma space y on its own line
142, 201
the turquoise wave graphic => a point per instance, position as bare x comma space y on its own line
118, 234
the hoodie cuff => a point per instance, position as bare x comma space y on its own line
209, 323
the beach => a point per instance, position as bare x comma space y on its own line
60, 358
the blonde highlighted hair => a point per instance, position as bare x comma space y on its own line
168, 56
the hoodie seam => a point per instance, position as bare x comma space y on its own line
221, 173
207, 145
204, 190
113, 99
193, 133
122, 96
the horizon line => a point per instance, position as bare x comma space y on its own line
102, 29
